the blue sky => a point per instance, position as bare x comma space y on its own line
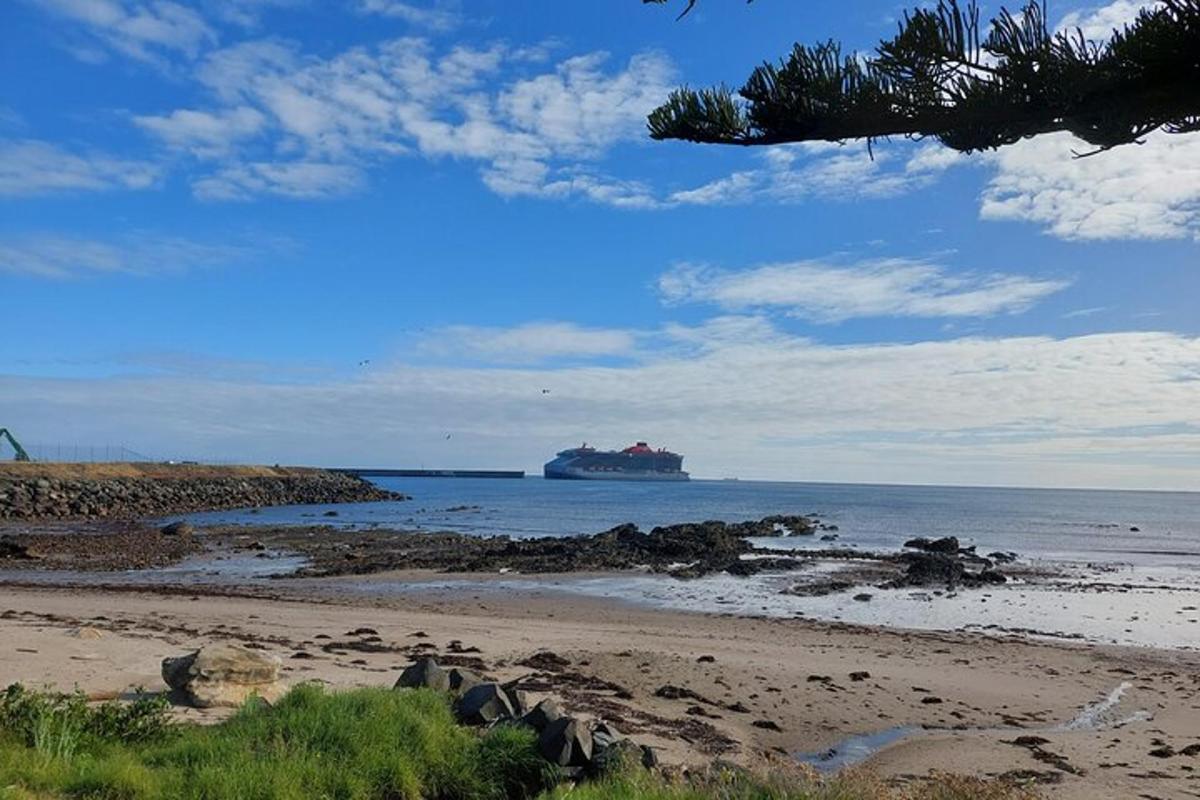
339, 232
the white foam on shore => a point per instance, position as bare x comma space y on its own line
1140, 615
1097, 715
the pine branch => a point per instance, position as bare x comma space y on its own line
690, 5
939, 77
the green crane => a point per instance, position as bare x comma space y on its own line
21, 454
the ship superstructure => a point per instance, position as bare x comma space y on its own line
637, 463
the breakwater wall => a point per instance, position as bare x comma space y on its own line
60, 494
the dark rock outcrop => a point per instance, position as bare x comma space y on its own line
941, 569
947, 544
702, 547
177, 529
15, 550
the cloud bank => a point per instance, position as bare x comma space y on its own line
881, 288
1104, 410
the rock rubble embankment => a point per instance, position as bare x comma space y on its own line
33, 497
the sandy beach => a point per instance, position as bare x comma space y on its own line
753, 690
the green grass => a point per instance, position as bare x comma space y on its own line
365, 744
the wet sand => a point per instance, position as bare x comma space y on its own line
802, 682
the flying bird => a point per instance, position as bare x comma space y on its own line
545, 391
364, 362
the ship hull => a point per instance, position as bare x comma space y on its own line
570, 474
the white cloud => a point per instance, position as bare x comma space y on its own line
301, 180
440, 16
533, 178
529, 343
30, 166
738, 187
827, 171
581, 110
830, 293
141, 30
246, 13
1146, 191
204, 133
531, 135
135, 254
1098, 23
933, 158
1013, 411
1084, 312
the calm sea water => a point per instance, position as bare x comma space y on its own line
1073, 525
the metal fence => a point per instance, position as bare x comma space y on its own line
84, 452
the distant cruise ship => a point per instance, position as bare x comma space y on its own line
637, 463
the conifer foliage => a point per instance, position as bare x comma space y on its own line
972, 87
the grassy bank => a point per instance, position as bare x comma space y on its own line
367, 744
107, 470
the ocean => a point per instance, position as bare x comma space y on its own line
1126, 563
1052, 524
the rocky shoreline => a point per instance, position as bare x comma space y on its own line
40, 497
682, 552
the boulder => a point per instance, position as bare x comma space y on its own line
484, 704
85, 632
609, 756
14, 550
223, 675
516, 698
180, 528
947, 544
925, 569
567, 743
604, 735
424, 673
463, 680
542, 715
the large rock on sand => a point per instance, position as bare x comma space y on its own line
485, 704
567, 743
463, 680
424, 673
542, 715
223, 675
